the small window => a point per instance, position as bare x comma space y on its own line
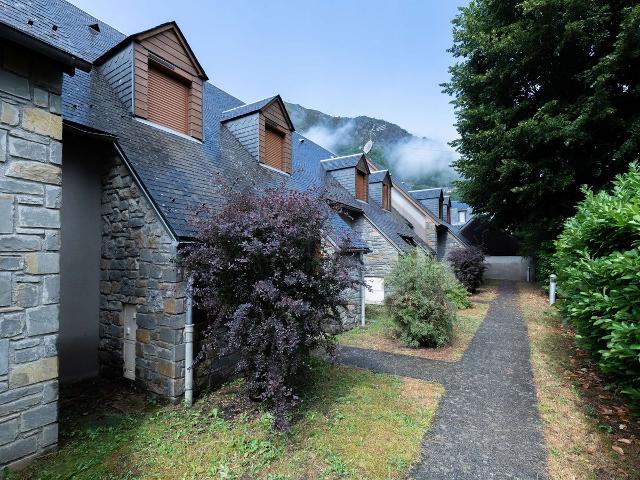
274, 152
362, 186
168, 100
386, 196
462, 216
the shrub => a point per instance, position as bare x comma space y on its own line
421, 301
543, 261
597, 261
468, 266
266, 290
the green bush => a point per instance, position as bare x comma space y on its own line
543, 261
423, 301
597, 261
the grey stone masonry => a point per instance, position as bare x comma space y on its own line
446, 244
139, 267
383, 255
30, 185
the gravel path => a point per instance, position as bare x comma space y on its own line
487, 425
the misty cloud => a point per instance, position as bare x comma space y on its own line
331, 139
420, 157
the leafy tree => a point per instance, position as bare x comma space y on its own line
547, 99
268, 292
598, 264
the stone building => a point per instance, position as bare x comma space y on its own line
31, 76
386, 233
108, 146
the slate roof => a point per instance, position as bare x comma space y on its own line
338, 163
378, 176
180, 174
41, 20
426, 194
246, 109
459, 205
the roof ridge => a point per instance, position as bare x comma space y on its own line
340, 157
249, 104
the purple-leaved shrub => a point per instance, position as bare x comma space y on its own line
468, 267
269, 292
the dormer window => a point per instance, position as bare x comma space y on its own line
264, 129
362, 186
156, 75
352, 172
380, 188
167, 99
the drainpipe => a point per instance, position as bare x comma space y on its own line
188, 351
362, 292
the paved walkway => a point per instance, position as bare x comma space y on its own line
487, 425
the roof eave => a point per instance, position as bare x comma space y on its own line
67, 59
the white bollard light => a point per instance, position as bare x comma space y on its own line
552, 289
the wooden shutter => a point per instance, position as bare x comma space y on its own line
275, 149
361, 186
386, 197
168, 100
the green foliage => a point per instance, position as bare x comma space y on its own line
422, 302
598, 266
468, 267
543, 258
547, 98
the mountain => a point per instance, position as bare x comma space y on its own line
419, 161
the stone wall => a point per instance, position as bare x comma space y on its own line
379, 262
446, 244
138, 267
30, 196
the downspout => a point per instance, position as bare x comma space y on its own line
362, 293
188, 350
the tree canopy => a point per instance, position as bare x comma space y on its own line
547, 99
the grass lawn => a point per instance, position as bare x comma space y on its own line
589, 432
351, 424
378, 333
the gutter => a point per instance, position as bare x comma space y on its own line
67, 59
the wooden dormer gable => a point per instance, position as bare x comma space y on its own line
264, 128
352, 171
164, 81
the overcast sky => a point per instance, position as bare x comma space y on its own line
384, 59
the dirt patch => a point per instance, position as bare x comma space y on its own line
589, 431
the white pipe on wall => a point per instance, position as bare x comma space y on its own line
188, 353
362, 294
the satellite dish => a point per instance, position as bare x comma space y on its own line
367, 146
